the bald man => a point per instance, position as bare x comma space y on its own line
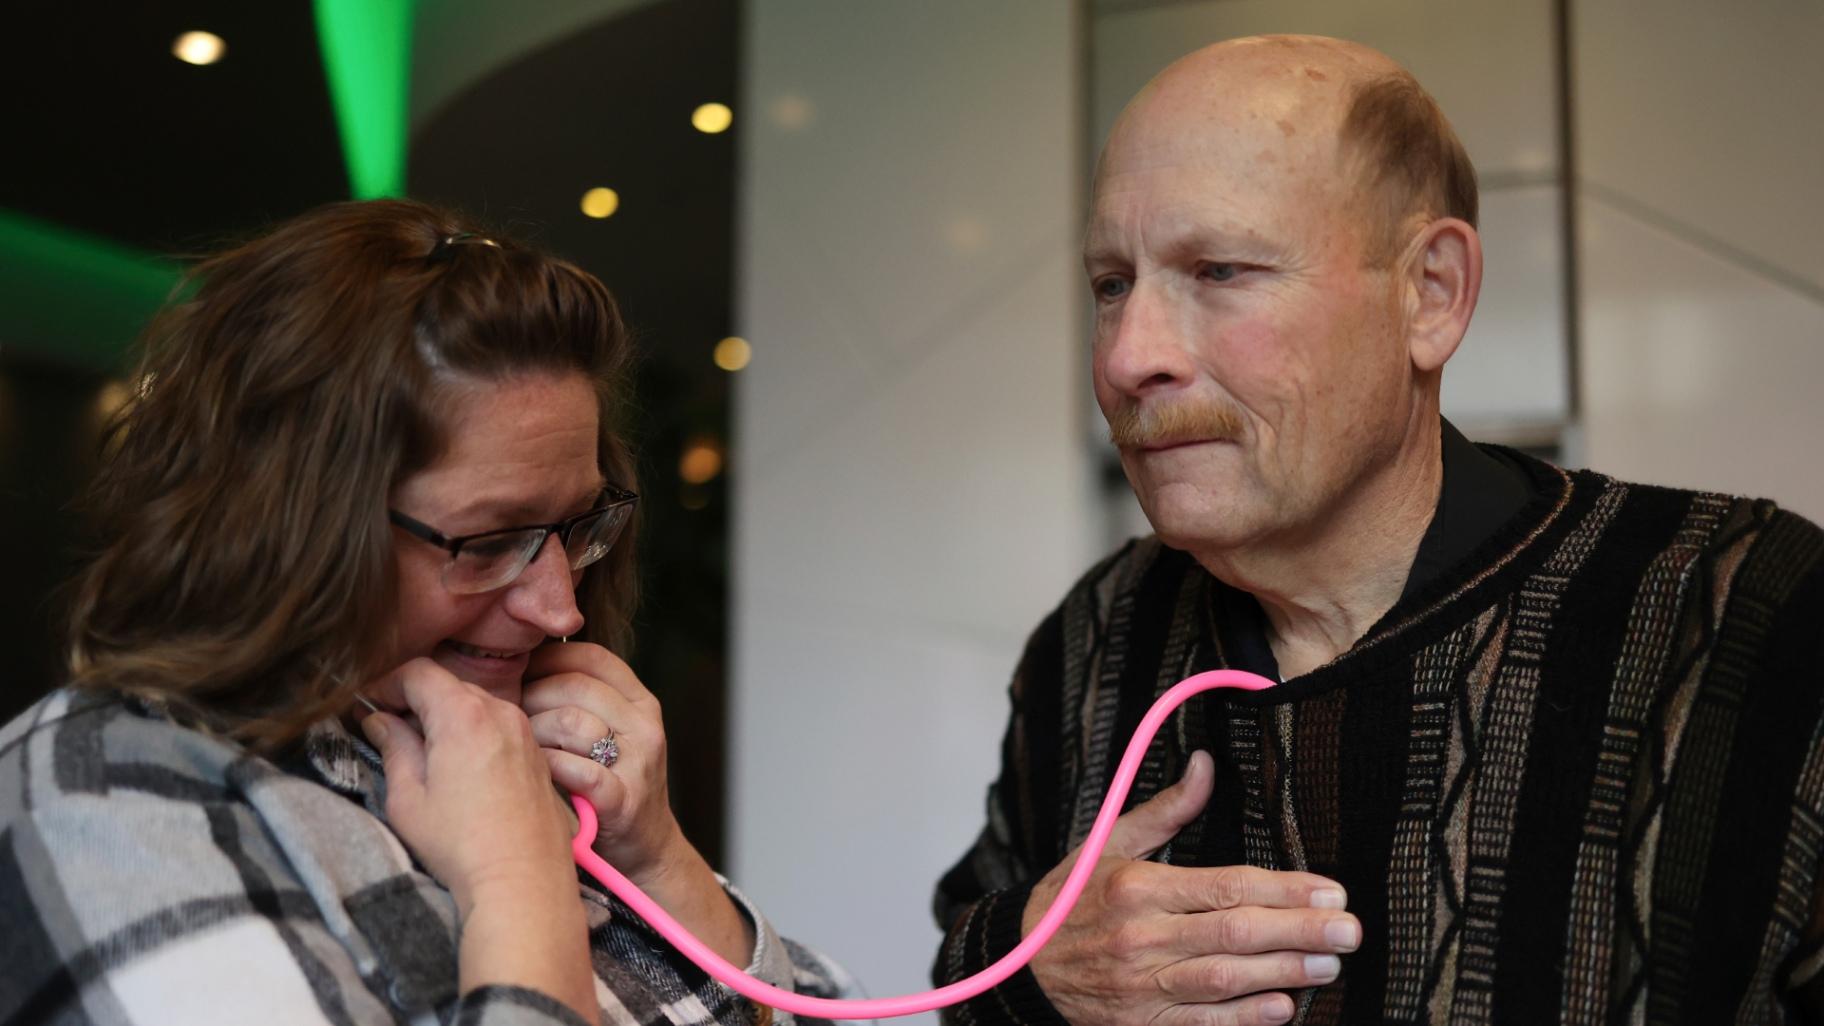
1547, 744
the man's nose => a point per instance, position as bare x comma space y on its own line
1143, 348
545, 593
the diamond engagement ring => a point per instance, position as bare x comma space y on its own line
605, 751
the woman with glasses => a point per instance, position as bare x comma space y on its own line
363, 559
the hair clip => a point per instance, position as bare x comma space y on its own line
459, 239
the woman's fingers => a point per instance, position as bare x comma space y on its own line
570, 728
434, 693
469, 792
573, 711
583, 691
580, 775
590, 661
575, 694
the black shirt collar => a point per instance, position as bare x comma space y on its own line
1481, 490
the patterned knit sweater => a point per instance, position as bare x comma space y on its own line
1579, 778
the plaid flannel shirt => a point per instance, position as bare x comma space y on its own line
150, 873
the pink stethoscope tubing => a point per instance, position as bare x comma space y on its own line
962, 990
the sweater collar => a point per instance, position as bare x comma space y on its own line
1481, 490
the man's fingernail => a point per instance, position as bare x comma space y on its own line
1329, 897
1343, 934
1323, 968
1279, 1009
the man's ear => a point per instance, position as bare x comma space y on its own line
1443, 276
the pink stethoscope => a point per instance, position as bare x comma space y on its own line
962, 990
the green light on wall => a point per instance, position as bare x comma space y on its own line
367, 57
75, 298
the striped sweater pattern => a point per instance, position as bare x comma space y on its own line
1578, 779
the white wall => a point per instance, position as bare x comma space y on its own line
1702, 249
912, 489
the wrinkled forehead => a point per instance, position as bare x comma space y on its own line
1288, 114
1246, 169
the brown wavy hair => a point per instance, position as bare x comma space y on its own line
244, 575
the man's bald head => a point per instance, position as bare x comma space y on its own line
1278, 283
1336, 109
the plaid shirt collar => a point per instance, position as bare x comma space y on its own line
346, 763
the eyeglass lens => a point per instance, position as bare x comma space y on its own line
497, 560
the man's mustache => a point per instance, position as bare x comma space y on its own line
1133, 426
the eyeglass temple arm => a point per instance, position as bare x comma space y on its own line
422, 531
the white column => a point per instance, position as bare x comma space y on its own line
912, 481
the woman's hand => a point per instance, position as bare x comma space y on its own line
575, 695
472, 796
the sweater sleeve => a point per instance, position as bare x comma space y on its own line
980, 902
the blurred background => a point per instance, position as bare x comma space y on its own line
845, 232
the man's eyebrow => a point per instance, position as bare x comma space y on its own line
1185, 233
1191, 243
1098, 250
1101, 256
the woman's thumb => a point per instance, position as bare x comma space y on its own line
400, 747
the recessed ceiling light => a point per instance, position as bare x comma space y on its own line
701, 462
601, 202
733, 353
712, 118
199, 48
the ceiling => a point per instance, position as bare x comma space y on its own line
117, 138
124, 154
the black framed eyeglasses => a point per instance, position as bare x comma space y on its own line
495, 559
